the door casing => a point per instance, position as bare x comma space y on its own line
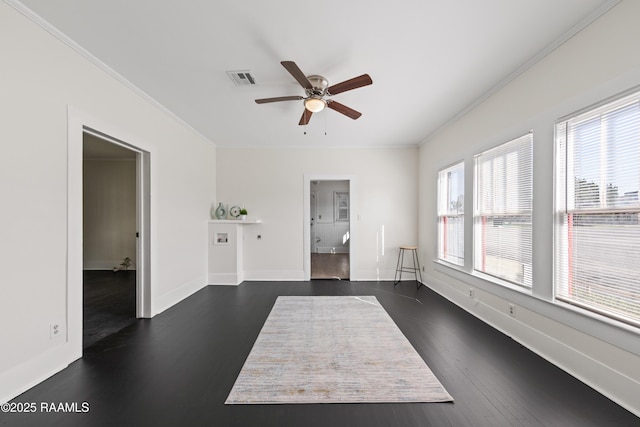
353, 216
78, 123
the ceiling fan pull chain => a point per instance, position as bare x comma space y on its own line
325, 124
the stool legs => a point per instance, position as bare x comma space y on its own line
397, 278
399, 265
416, 267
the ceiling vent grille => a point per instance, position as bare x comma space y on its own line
242, 77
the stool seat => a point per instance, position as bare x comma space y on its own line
400, 267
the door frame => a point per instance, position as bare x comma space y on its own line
353, 224
313, 202
78, 124
141, 175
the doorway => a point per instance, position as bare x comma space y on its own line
80, 123
329, 227
109, 238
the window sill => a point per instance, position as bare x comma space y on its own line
498, 281
598, 317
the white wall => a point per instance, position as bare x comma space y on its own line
41, 79
597, 63
109, 211
272, 188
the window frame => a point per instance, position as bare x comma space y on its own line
563, 191
524, 216
341, 213
446, 214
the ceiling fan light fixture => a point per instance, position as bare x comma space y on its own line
316, 88
314, 105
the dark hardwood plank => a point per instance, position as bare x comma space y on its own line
109, 303
330, 266
178, 368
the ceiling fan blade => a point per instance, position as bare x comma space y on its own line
297, 74
350, 84
306, 116
278, 99
341, 108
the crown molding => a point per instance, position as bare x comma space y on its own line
588, 20
45, 25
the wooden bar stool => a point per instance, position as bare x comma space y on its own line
400, 265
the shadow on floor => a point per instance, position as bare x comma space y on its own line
109, 303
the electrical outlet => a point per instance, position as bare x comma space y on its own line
54, 330
472, 294
512, 310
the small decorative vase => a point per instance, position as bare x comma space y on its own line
243, 217
221, 212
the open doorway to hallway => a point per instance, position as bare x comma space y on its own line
109, 238
330, 229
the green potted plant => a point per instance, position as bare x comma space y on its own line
243, 213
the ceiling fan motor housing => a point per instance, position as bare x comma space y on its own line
320, 85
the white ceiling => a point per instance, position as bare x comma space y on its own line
429, 59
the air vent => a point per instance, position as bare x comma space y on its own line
242, 77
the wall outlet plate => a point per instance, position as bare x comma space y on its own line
55, 330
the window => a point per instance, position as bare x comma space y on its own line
341, 202
503, 206
597, 224
451, 214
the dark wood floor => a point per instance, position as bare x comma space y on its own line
109, 303
330, 266
178, 368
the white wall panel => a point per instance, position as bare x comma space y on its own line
41, 79
597, 63
109, 203
272, 190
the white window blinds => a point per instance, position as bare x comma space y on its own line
597, 226
451, 214
502, 215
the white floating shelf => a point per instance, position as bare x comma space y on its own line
235, 221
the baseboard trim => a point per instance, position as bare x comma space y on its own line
607, 381
168, 300
32, 372
104, 265
336, 250
380, 276
275, 275
225, 279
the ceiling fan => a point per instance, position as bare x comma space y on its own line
317, 90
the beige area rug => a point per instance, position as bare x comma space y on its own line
333, 349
